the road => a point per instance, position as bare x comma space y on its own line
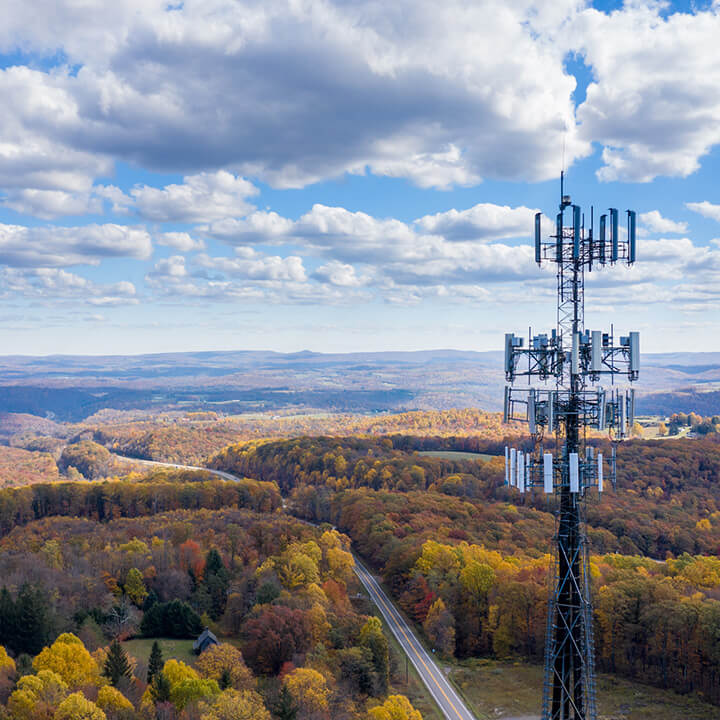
446, 697
221, 473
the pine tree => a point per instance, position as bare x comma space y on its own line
8, 619
160, 688
155, 663
285, 708
117, 665
32, 629
216, 580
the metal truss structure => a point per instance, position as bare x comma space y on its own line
572, 360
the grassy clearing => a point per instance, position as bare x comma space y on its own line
140, 648
514, 690
456, 455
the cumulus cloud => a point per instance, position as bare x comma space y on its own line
654, 103
56, 283
22, 246
654, 222
49, 204
260, 86
341, 274
480, 222
179, 241
257, 266
706, 209
200, 198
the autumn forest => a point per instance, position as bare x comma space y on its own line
111, 569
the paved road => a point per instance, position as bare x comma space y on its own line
449, 702
220, 473
446, 697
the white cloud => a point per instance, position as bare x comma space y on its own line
340, 274
258, 267
706, 209
57, 284
48, 204
654, 103
654, 222
200, 198
296, 92
22, 246
480, 222
179, 241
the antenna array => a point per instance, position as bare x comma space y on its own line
573, 360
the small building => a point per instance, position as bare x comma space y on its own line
204, 641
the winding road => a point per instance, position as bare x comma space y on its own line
448, 701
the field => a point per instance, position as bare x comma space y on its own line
514, 690
140, 648
455, 455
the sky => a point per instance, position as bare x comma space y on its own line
348, 175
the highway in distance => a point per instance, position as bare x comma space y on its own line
445, 695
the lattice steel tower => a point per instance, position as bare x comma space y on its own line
571, 362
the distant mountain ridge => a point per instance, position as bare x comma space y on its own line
68, 387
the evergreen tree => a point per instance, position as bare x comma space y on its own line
225, 679
216, 581
160, 688
155, 663
33, 625
285, 708
117, 665
8, 619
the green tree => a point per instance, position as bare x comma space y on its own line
285, 708
373, 638
155, 662
160, 688
117, 665
216, 580
33, 624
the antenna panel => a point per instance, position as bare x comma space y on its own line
634, 352
513, 461
632, 222
596, 351
507, 465
548, 473
559, 236
600, 472
577, 236
574, 473
614, 238
603, 224
531, 412
538, 237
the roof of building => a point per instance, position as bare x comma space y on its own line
205, 636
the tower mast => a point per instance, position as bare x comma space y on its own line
574, 360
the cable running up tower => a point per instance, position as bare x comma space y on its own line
572, 360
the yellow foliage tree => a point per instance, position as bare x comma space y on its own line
111, 700
78, 707
225, 659
396, 707
235, 705
6, 662
37, 695
186, 685
309, 690
68, 658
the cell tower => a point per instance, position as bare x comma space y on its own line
572, 360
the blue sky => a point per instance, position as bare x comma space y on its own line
348, 176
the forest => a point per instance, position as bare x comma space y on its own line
139, 556
294, 640
468, 561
